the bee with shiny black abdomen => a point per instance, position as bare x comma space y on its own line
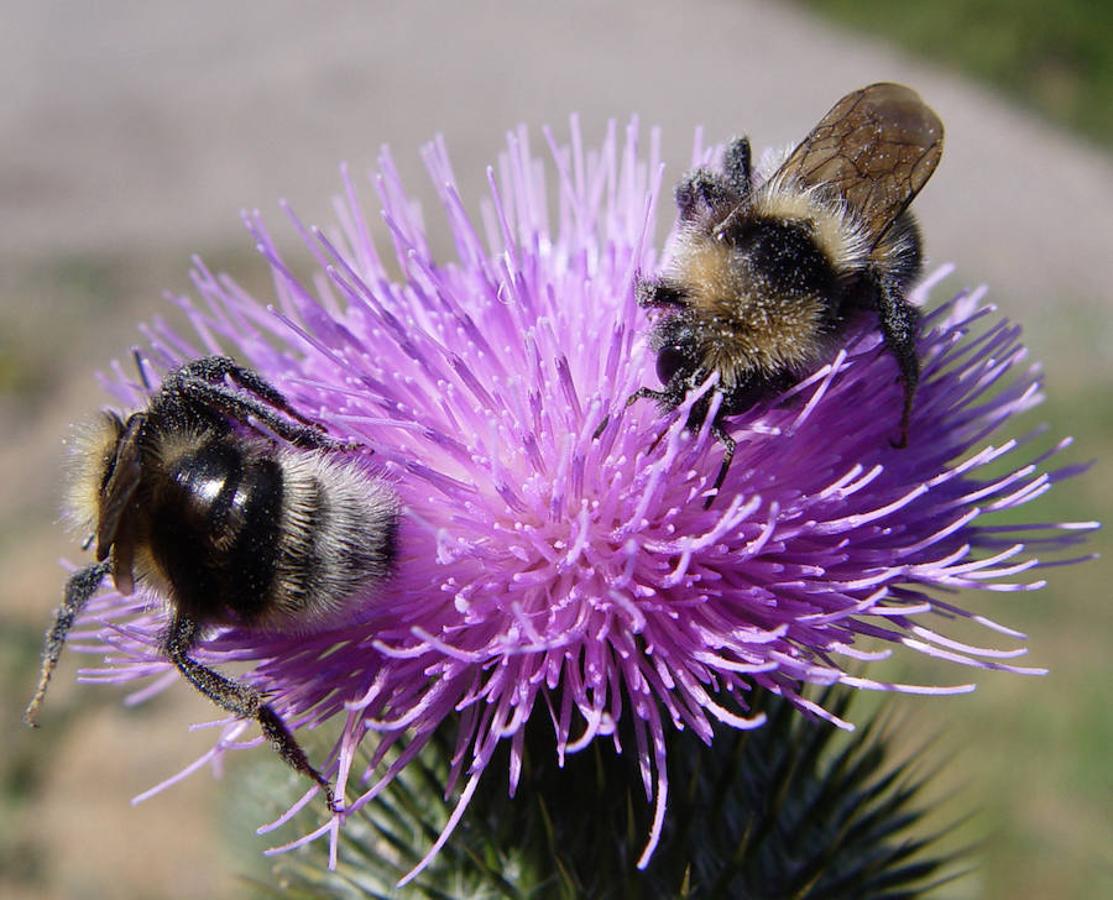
228, 525
765, 279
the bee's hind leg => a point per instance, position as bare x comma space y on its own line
239, 699
900, 326
81, 586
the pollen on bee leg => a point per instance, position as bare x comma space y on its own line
81, 586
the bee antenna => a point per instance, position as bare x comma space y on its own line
137, 355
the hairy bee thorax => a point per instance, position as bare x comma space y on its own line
836, 230
764, 279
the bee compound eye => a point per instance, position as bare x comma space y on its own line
670, 360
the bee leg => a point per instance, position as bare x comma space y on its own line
729, 445
598, 432
240, 407
702, 188
737, 166
661, 397
252, 382
658, 292
241, 700
214, 369
647, 394
81, 586
900, 326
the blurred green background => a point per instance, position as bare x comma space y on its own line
1056, 59
133, 136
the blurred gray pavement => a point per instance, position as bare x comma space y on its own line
135, 132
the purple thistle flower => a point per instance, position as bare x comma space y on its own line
556, 559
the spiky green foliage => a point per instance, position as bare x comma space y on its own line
793, 809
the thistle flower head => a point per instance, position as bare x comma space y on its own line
556, 556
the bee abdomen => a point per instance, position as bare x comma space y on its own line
246, 532
215, 528
338, 538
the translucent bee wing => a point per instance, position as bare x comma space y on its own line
121, 487
876, 148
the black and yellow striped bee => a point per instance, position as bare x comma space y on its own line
765, 279
227, 523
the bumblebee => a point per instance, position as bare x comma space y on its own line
192, 497
766, 279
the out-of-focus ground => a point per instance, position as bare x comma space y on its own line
132, 134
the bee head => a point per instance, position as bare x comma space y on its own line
680, 354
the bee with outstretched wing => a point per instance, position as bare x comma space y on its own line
765, 279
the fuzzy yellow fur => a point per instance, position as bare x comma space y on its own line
841, 236
91, 449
